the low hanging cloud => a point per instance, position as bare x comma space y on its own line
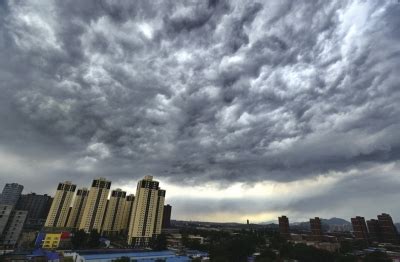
192, 92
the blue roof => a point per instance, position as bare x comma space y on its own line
160, 254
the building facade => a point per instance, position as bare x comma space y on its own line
360, 228
146, 221
284, 229
128, 212
75, 216
93, 214
58, 213
14, 227
387, 229
166, 220
11, 193
38, 206
316, 229
5, 213
113, 221
374, 231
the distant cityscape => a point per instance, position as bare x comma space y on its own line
114, 219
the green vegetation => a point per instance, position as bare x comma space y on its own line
159, 243
81, 239
238, 245
377, 257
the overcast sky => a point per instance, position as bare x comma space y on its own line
243, 110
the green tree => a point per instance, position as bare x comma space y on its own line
159, 243
303, 252
346, 258
94, 239
377, 257
232, 250
79, 239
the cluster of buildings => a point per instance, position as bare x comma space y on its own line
380, 230
316, 238
139, 217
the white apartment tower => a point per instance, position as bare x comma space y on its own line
128, 212
93, 213
146, 221
58, 213
113, 221
80, 200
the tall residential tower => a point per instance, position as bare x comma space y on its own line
128, 212
11, 193
114, 215
58, 213
360, 228
75, 216
93, 214
146, 221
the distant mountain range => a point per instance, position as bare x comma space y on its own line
335, 221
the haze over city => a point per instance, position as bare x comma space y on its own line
242, 110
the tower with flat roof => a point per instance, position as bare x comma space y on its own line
316, 229
387, 229
58, 213
127, 212
11, 194
113, 221
38, 207
360, 228
93, 213
146, 221
284, 230
75, 216
166, 222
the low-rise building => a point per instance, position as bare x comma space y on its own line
53, 239
167, 256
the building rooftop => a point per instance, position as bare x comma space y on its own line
169, 255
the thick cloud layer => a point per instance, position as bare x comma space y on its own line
197, 91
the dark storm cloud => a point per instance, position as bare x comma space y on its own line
198, 91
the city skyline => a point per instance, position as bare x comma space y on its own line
77, 199
241, 109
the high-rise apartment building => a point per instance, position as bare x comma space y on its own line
5, 213
38, 207
284, 229
113, 221
93, 214
75, 216
374, 231
127, 213
14, 227
360, 228
147, 219
58, 213
166, 220
316, 228
11, 193
387, 229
